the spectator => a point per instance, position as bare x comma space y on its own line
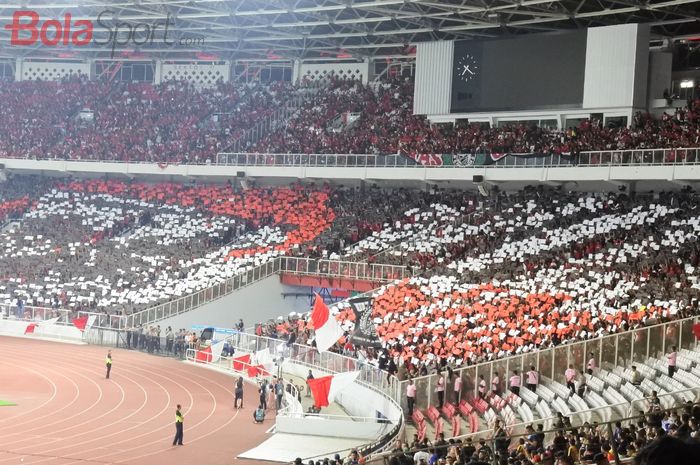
672, 361
532, 379
570, 376
514, 383
410, 397
636, 376
482, 387
440, 390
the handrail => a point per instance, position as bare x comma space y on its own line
630, 346
199, 298
682, 156
191, 355
378, 273
370, 377
598, 158
32, 313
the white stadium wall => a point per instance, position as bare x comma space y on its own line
648, 177
260, 301
48, 70
199, 74
55, 332
433, 84
320, 72
616, 66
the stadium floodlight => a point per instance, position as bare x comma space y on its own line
687, 84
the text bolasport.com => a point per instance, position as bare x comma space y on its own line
29, 28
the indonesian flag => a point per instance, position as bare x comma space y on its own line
326, 388
84, 322
239, 363
326, 328
203, 356
263, 356
80, 323
50, 322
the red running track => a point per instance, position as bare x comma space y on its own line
67, 413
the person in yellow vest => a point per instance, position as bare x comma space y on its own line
108, 362
179, 420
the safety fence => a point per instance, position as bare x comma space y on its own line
620, 349
510, 441
31, 313
376, 273
370, 377
641, 157
290, 403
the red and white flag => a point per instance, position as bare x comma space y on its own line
326, 389
326, 328
216, 350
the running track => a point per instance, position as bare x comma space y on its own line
69, 414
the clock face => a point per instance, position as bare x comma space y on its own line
467, 68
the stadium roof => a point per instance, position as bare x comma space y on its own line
326, 29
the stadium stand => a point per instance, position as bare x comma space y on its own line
117, 247
175, 122
527, 273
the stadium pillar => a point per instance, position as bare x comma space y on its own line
296, 70
158, 74
19, 64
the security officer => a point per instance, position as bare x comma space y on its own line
179, 420
108, 362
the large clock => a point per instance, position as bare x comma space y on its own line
467, 68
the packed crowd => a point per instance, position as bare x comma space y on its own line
509, 274
176, 122
522, 272
655, 437
170, 123
117, 247
387, 125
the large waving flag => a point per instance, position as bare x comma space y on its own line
326, 328
216, 350
80, 323
326, 389
50, 322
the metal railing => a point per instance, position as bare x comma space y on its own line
376, 273
370, 375
105, 320
641, 157
263, 127
291, 406
606, 426
598, 158
199, 298
31, 313
620, 349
